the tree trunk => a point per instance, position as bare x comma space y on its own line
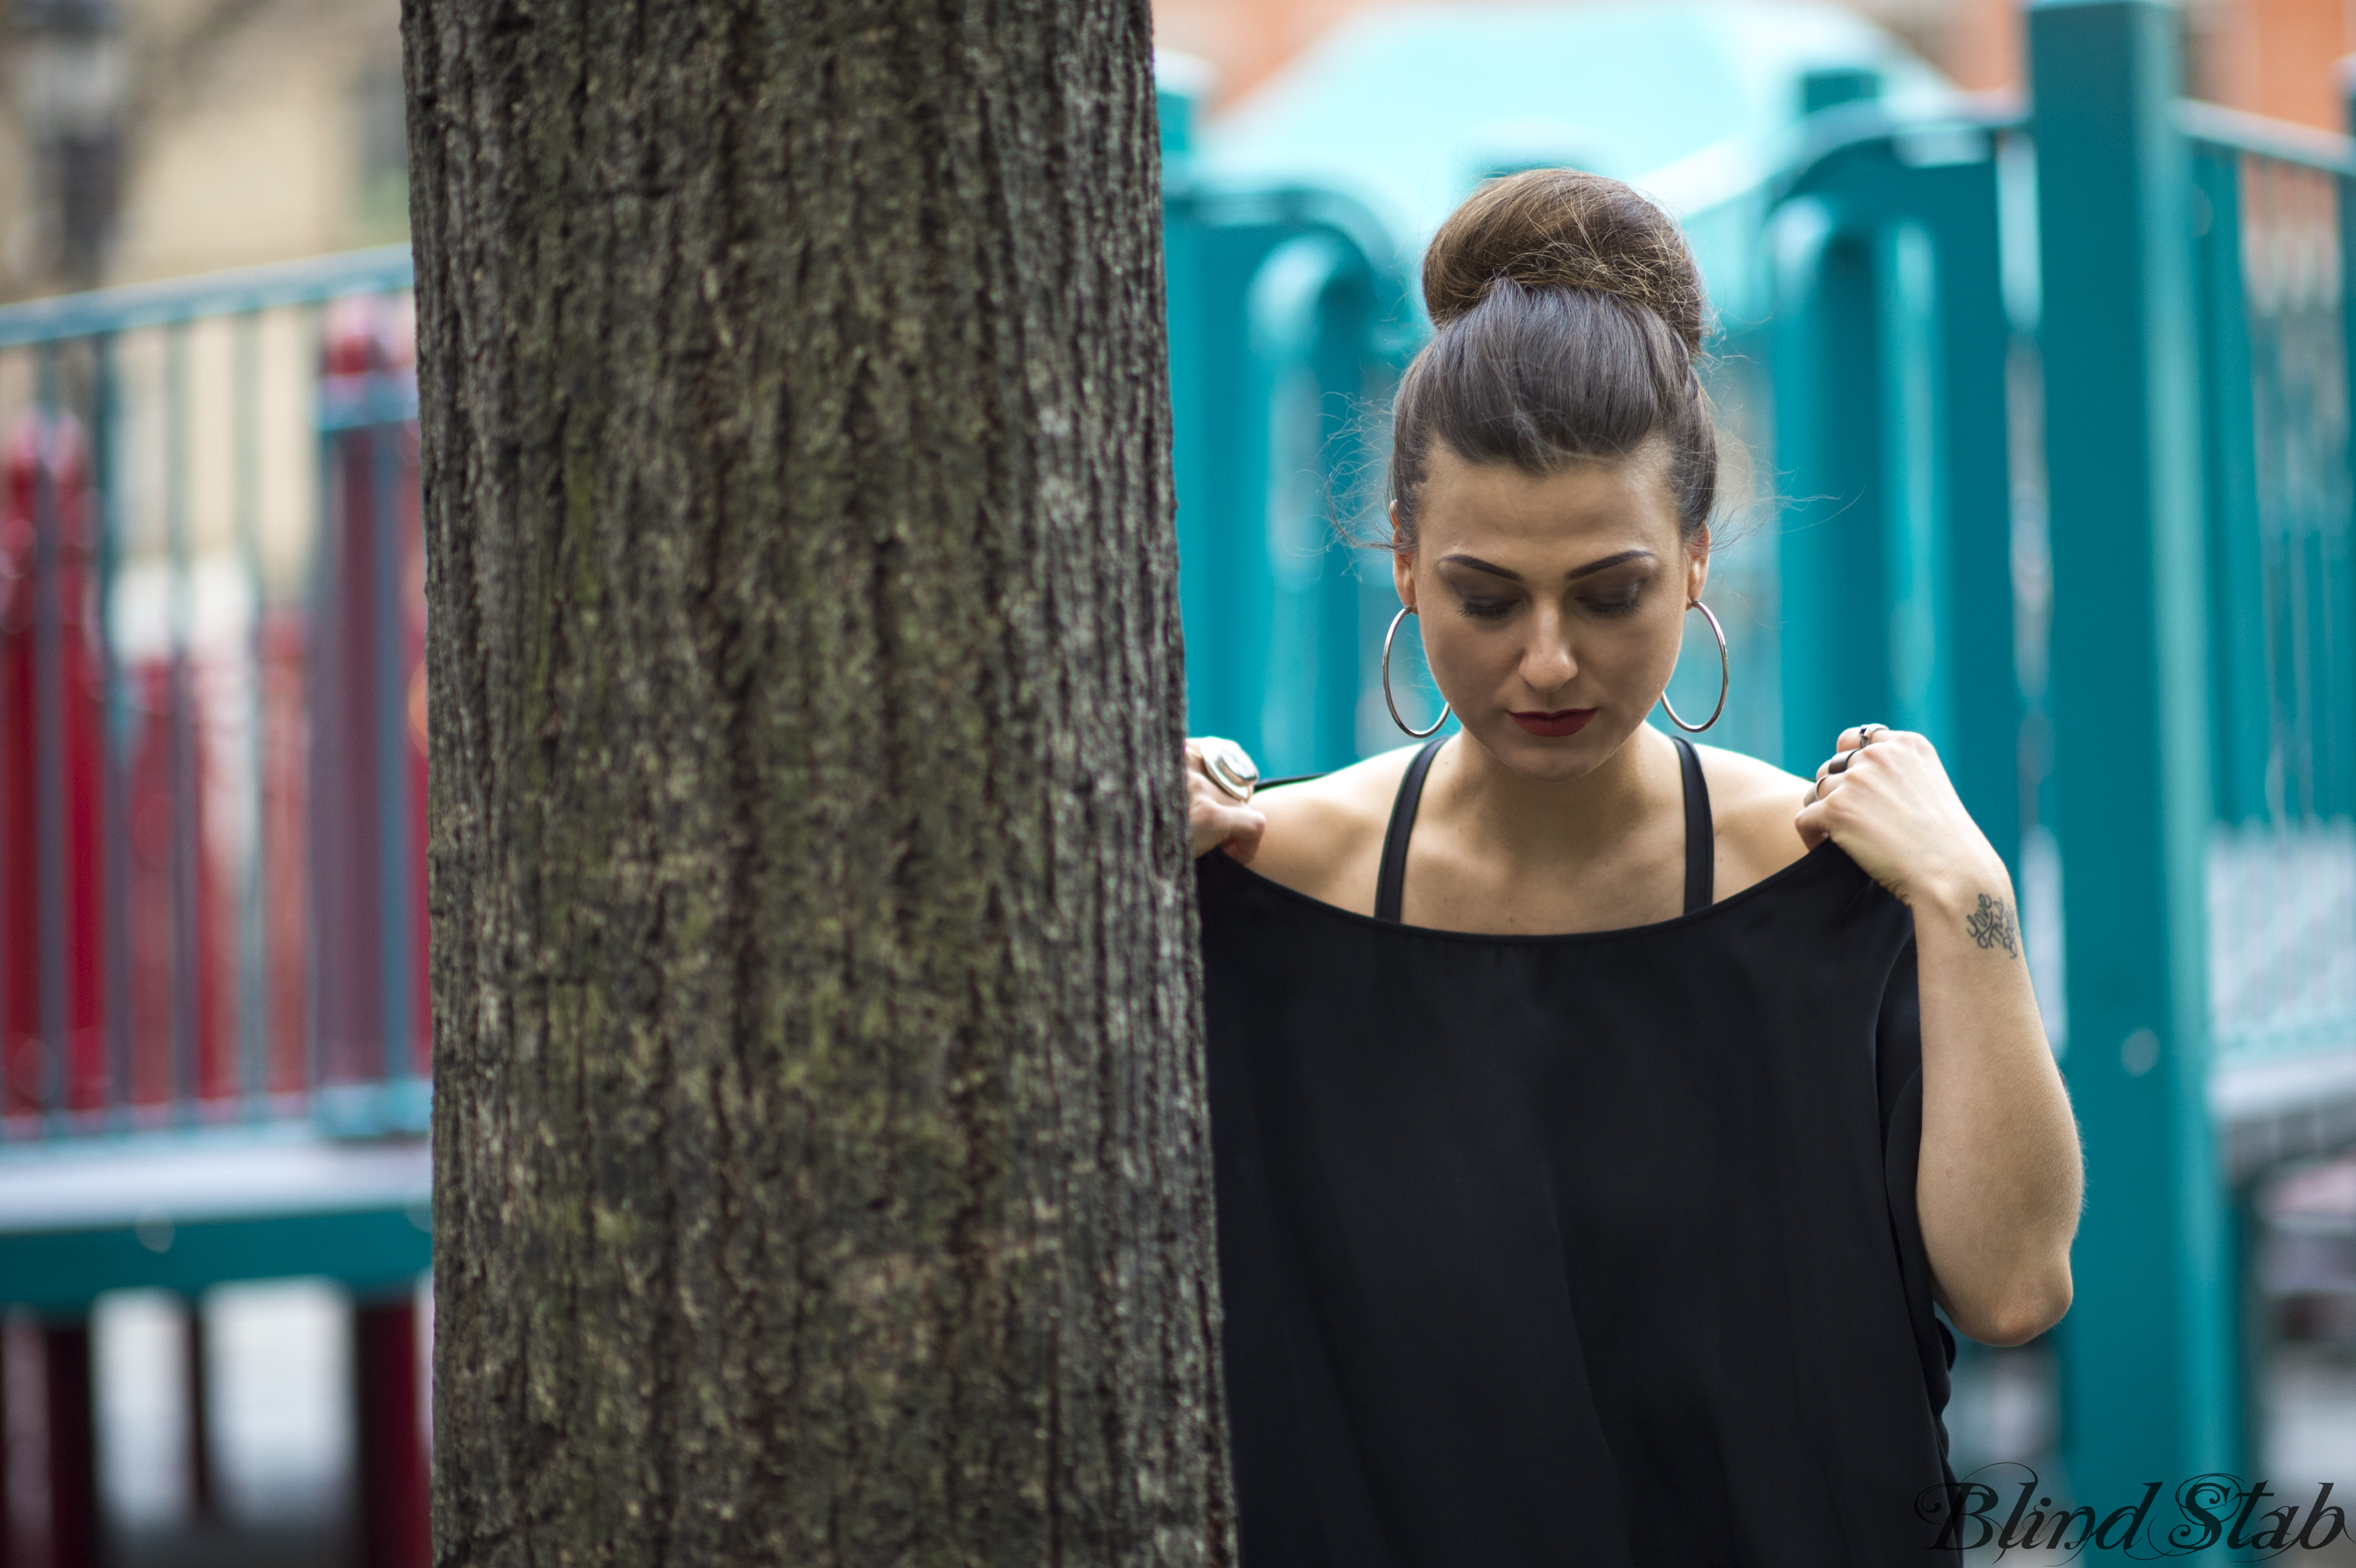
822, 1159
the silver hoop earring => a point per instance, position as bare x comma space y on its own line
1723, 674
1387, 637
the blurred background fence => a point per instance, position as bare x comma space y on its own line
212, 922
2106, 567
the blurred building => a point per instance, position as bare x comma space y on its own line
2268, 57
146, 138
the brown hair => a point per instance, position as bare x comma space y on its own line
1568, 317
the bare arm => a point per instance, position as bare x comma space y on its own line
1999, 1182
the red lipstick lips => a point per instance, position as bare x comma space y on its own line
1564, 721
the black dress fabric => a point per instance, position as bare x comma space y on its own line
1596, 1249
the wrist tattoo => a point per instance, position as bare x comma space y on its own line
1991, 927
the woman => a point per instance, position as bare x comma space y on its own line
1597, 1118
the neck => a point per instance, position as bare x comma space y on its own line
1548, 822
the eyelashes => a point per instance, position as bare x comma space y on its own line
1497, 609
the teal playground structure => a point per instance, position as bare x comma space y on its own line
2047, 416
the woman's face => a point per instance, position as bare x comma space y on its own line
1552, 607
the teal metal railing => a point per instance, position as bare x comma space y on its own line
1891, 348
2268, 220
1913, 562
212, 723
1288, 323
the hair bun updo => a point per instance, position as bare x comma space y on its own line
1563, 229
1568, 321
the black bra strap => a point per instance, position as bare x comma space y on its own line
1701, 837
1390, 882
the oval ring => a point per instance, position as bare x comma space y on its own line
1228, 766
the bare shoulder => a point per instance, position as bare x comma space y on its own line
1752, 803
1324, 834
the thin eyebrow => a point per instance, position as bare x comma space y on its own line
1576, 573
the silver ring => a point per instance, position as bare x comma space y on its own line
1228, 766
1866, 732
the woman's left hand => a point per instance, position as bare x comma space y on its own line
1887, 801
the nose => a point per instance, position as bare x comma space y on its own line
1548, 662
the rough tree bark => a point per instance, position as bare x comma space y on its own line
821, 1160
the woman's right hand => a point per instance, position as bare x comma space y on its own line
1214, 817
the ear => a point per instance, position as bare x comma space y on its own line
1698, 565
1402, 565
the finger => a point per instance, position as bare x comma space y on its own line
1206, 793
1239, 824
1814, 819
1210, 825
1869, 735
1849, 761
1857, 735
1244, 843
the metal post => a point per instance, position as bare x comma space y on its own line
203, 1500
1184, 268
322, 666
48, 758
2149, 1369
113, 810
380, 444
1921, 630
72, 1445
2242, 709
254, 931
181, 728
9, 1556
1836, 638
392, 1460
1985, 710
1311, 294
